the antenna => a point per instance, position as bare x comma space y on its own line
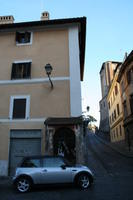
42, 5
125, 56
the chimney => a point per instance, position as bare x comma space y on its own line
45, 16
6, 19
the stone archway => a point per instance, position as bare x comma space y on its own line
64, 143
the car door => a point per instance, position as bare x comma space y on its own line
53, 172
33, 167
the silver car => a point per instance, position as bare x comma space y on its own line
50, 170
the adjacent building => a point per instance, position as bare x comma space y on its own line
115, 109
35, 116
106, 77
125, 79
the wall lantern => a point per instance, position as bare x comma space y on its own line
48, 69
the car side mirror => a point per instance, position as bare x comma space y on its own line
63, 166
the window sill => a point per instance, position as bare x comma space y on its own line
23, 44
15, 79
18, 118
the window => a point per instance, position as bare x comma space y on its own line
125, 109
112, 117
19, 107
109, 104
31, 163
122, 86
21, 70
129, 75
120, 130
114, 114
118, 109
23, 38
53, 162
116, 90
131, 103
116, 132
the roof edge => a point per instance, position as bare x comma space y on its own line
124, 64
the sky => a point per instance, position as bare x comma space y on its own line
109, 33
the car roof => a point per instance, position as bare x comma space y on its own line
41, 156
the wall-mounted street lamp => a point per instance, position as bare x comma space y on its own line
48, 69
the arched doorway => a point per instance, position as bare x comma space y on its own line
64, 143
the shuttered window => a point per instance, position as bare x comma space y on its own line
118, 109
130, 75
19, 109
21, 70
109, 104
114, 114
125, 109
116, 90
131, 103
23, 37
120, 130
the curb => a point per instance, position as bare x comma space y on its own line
4, 178
115, 149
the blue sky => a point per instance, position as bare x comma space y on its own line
109, 33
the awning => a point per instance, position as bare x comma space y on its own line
63, 121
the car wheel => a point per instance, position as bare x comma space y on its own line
84, 181
23, 184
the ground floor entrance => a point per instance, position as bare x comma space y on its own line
23, 143
64, 143
64, 136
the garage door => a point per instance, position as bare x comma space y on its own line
23, 143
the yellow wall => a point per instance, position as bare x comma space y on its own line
44, 101
47, 47
115, 133
128, 89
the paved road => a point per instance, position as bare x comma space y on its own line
105, 160
113, 179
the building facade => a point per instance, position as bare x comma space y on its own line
115, 109
27, 99
106, 77
125, 79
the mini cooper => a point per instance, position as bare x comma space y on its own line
36, 170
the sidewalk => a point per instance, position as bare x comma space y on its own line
5, 180
120, 147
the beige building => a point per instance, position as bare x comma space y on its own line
106, 77
125, 79
115, 109
33, 114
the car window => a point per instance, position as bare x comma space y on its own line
32, 163
68, 164
52, 162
